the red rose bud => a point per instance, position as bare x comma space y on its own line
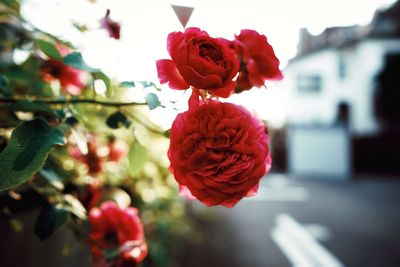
71, 80
115, 227
199, 61
219, 152
112, 27
258, 60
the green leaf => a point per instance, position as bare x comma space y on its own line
127, 84
138, 156
101, 76
117, 120
4, 89
8, 119
29, 106
52, 177
152, 100
167, 133
75, 60
147, 84
49, 49
12, 4
26, 152
51, 218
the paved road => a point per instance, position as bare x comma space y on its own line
304, 223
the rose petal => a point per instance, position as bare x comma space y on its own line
199, 81
167, 72
225, 91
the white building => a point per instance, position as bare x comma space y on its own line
331, 86
340, 66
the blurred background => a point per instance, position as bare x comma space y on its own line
333, 195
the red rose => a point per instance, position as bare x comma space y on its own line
112, 27
199, 61
71, 80
258, 60
114, 227
219, 151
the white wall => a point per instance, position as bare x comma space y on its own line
319, 151
363, 60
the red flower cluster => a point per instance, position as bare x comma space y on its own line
113, 227
202, 62
218, 151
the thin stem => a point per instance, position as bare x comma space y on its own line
75, 101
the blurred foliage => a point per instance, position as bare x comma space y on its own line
64, 146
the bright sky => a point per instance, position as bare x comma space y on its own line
146, 24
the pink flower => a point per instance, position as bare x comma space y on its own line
113, 227
199, 61
219, 152
258, 60
71, 80
112, 27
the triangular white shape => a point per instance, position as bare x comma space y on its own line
183, 13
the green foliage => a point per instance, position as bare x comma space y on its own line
127, 84
29, 106
49, 49
37, 114
51, 218
27, 151
117, 120
138, 156
4, 89
152, 101
75, 60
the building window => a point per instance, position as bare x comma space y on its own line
309, 83
342, 70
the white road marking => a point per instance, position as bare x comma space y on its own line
277, 187
299, 246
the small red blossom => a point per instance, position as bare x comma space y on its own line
71, 80
113, 227
219, 152
258, 60
92, 159
112, 27
116, 149
200, 61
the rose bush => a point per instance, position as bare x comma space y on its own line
200, 61
219, 151
113, 227
258, 60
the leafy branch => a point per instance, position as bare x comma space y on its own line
74, 101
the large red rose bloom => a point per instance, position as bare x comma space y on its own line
219, 151
199, 61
